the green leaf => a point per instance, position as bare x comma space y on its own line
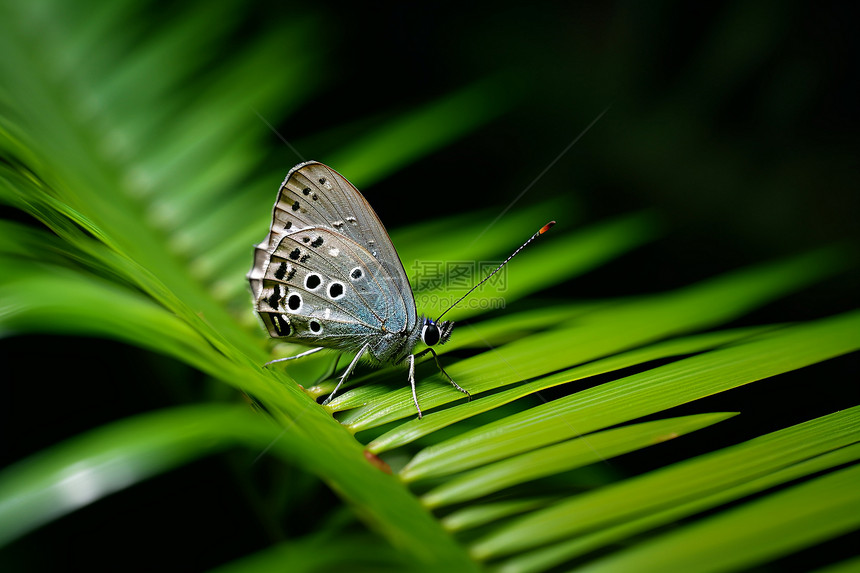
850, 565
414, 429
551, 460
381, 152
679, 483
536, 268
315, 554
603, 332
139, 153
475, 515
776, 525
549, 556
91, 306
84, 469
641, 394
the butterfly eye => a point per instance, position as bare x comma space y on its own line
430, 334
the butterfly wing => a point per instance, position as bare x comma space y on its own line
327, 274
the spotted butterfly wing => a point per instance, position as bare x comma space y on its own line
327, 274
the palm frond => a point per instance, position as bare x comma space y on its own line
134, 183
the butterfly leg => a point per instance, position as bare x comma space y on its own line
439, 364
346, 373
306, 353
411, 359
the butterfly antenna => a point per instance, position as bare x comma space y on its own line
540, 232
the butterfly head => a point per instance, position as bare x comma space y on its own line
433, 332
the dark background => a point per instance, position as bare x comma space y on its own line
735, 122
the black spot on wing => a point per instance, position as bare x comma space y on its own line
275, 297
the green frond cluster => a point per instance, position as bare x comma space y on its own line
133, 186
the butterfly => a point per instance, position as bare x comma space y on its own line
328, 276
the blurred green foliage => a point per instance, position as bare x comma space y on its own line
671, 384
